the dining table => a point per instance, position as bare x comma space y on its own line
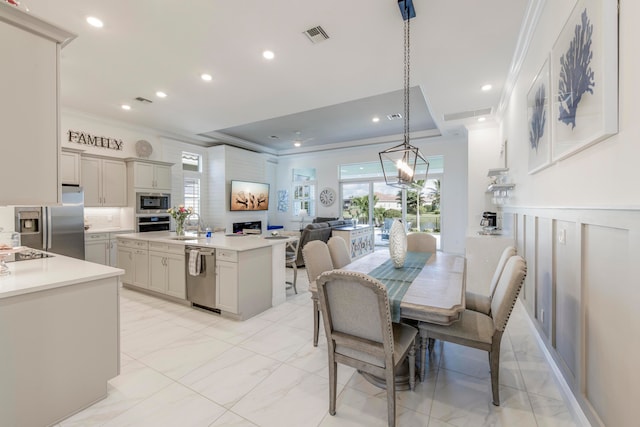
429, 287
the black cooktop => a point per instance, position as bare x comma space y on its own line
28, 254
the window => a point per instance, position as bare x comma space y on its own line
191, 162
304, 191
191, 166
192, 194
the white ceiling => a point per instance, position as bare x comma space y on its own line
319, 94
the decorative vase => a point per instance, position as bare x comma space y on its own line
179, 227
397, 243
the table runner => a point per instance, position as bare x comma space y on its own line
398, 280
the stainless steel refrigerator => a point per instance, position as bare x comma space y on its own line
57, 229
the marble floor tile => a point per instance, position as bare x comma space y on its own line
279, 341
551, 412
357, 409
174, 405
229, 419
180, 366
185, 354
463, 400
235, 331
288, 397
230, 376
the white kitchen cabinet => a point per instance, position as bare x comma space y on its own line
104, 181
29, 122
70, 167
102, 248
167, 269
227, 286
125, 262
96, 248
133, 257
149, 175
243, 292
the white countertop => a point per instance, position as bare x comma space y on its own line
48, 273
108, 230
217, 240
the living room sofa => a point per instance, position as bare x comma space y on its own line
319, 231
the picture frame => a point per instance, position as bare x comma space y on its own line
584, 70
539, 120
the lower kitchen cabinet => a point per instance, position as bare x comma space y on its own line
167, 272
133, 258
227, 286
102, 248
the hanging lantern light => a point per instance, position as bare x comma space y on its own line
404, 165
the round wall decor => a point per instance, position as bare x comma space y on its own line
143, 149
327, 197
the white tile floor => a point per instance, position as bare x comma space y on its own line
183, 367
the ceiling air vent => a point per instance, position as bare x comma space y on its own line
316, 34
143, 100
394, 116
467, 114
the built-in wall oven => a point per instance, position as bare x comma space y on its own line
152, 203
146, 223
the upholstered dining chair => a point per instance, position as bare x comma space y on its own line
421, 242
339, 251
479, 330
317, 260
480, 302
360, 334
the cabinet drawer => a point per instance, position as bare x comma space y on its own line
134, 244
166, 247
226, 255
92, 237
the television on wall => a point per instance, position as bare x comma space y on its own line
249, 196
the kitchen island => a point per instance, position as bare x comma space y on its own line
249, 269
59, 338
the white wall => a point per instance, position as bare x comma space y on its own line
583, 267
484, 154
454, 182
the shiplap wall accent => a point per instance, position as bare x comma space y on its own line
583, 271
227, 163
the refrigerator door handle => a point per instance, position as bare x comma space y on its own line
48, 229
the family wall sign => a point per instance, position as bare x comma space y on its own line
95, 141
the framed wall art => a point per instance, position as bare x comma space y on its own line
539, 120
584, 70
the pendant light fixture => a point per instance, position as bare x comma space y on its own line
404, 165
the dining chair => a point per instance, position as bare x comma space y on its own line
421, 242
339, 251
360, 334
291, 255
317, 260
480, 302
479, 330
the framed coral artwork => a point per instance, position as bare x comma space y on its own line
584, 70
538, 120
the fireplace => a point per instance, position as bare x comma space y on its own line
239, 227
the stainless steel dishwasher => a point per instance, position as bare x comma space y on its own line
201, 288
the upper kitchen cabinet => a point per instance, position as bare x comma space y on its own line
29, 120
70, 166
149, 175
104, 181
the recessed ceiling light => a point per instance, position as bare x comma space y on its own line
126, 107
206, 77
95, 22
375, 119
482, 119
297, 144
161, 94
267, 54
486, 87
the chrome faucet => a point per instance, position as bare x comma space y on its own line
199, 227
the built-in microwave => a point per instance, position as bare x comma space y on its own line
152, 203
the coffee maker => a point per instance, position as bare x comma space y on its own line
489, 220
